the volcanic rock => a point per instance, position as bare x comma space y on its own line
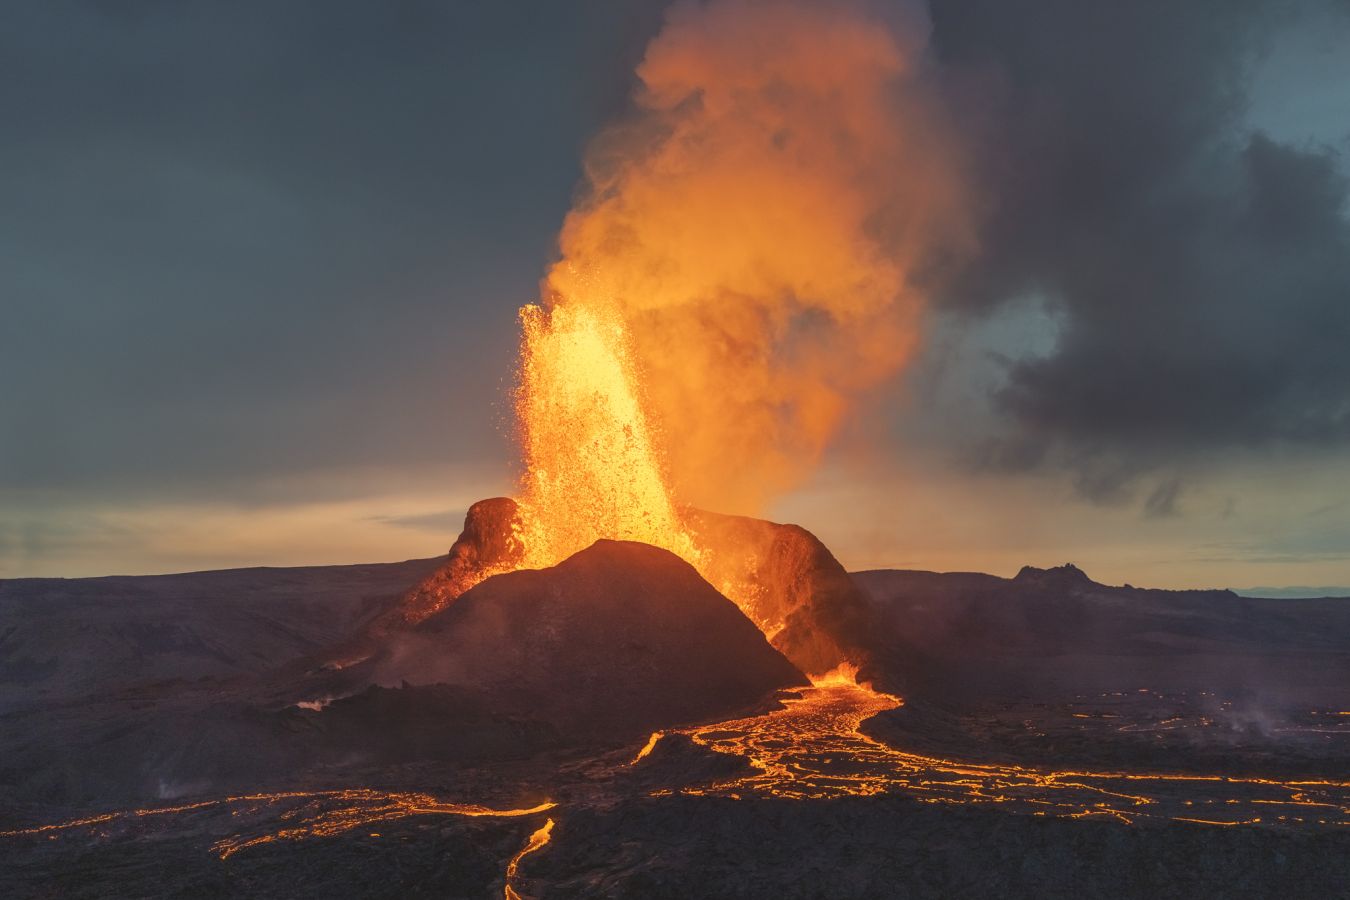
787, 580
800, 594
614, 642
487, 542
677, 761
1051, 664
65, 639
683, 846
1064, 578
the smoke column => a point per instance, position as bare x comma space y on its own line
759, 226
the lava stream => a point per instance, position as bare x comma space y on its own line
314, 814
537, 840
812, 748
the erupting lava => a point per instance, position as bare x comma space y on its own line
592, 469
739, 268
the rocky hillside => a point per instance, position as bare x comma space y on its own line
64, 638
617, 640
1049, 628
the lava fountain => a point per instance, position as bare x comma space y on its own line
592, 465
741, 266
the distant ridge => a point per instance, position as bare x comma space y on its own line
1293, 593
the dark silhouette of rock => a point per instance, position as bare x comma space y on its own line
488, 542
1063, 577
616, 641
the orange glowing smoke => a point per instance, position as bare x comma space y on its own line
760, 223
742, 267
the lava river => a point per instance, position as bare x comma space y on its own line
813, 748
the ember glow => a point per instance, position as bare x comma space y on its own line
537, 840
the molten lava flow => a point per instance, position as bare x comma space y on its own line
648, 747
813, 748
846, 673
537, 840
311, 814
334, 812
592, 470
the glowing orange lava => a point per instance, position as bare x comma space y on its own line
812, 748
591, 465
537, 840
648, 747
323, 817
311, 814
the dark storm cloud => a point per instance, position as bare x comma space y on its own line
239, 239
1199, 271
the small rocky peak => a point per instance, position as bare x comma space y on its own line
1067, 575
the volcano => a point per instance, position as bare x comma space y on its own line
615, 641
788, 582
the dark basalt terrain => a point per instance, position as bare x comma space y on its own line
615, 642
317, 732
70, 638
1048, 629
889, 847
1051, 665
674, 848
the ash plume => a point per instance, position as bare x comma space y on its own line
762, 222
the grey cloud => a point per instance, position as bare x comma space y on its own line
1200, 273
1162, 501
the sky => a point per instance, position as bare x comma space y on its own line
260, 267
